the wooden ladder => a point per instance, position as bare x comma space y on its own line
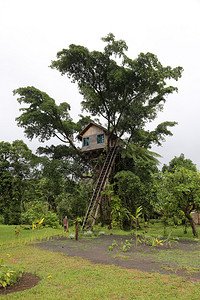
102, 181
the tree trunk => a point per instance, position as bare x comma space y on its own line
101, 215
109, 214
192, 224
76, 230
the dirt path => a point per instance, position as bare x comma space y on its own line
144, 258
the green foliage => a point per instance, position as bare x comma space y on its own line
34, 213
119, 213
114, 244
51, 220
8, 238
184, 188
8, 274
17, 164
74, 204
1, 219
157, 243
178, 162
125, 92
138, 213
88, 233
178, 193
125, 246
43, 113
134, 181
71, 236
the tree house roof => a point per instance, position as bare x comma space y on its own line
80, 135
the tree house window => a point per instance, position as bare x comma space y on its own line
86, 141
100, 138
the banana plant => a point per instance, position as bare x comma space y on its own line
138, 213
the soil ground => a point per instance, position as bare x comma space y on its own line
27, 281
144, 258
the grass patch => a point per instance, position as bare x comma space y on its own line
121, 256
157, 229
177, 259
74, 278
154, 230
64, 277
189, 261
8, 237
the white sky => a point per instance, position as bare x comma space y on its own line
32, 32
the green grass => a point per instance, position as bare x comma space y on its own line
177, 259
8, 237
157, 229
75, 278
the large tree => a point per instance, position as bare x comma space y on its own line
16, 166
126, 93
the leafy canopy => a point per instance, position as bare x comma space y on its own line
126, 93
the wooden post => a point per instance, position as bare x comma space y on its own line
76, 227
66, 224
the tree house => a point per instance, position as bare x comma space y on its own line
94, 139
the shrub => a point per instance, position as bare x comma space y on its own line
34, 213
1, 219
51, 220
88, 233
71, 236
101, 233
8, 275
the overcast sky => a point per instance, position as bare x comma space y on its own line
32, 32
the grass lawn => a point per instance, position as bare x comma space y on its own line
8, 237
64, 277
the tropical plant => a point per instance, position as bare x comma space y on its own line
178, 193
138, 213
8, 274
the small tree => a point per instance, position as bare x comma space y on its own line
180, 191
178, 162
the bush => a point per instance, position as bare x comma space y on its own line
34, 213
8, 275
1, 219
88, 233
71, 236
51, 220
